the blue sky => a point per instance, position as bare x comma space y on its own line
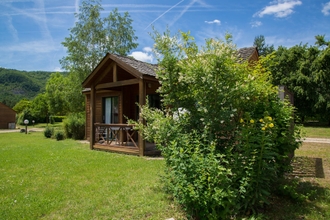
31, 31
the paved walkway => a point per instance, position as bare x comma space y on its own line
311, 140
18, 130
318, 140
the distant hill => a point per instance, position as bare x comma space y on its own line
16, 85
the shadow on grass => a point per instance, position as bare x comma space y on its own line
302, 197
307, 167
314, 206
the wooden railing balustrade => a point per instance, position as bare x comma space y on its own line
115, 134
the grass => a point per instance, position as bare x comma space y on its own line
313, 159
311, 169
44, 125
47, 179
316, 130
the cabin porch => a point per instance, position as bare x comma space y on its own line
121, 138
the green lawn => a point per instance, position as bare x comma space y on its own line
315, 129
45, 179
317, 187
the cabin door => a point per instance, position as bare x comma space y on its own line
110, 110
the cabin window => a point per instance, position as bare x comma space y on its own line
110, 110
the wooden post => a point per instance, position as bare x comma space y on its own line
142, 102
114, 72
92, 118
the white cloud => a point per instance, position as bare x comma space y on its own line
279, 8
213, 22
58, 69
326, 9
147, 49
144, 55
256, 23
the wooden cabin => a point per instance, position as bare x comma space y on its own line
7, 117
112, 92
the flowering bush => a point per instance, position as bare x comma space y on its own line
233, 140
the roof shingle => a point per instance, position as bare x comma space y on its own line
246, 52
142, 67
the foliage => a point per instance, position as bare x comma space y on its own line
57, 118
26, 114
73, 94
39, 108
55, 94
263, 49
48, 132
22, 105
290, 188
304, 70
74, 126
59, 135
16, 85
89, 40
227, 140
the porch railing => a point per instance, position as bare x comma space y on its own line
115, 134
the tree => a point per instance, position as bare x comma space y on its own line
22, 105
305, 71
39, 108
225, 133
56, 89
260, 43
90, 39
321, 75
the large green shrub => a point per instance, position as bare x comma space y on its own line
226, 136
74, 126
59, 135
48, 132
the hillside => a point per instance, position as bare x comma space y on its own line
16, 85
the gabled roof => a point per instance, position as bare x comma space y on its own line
135, 67
246, 53
139, 69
